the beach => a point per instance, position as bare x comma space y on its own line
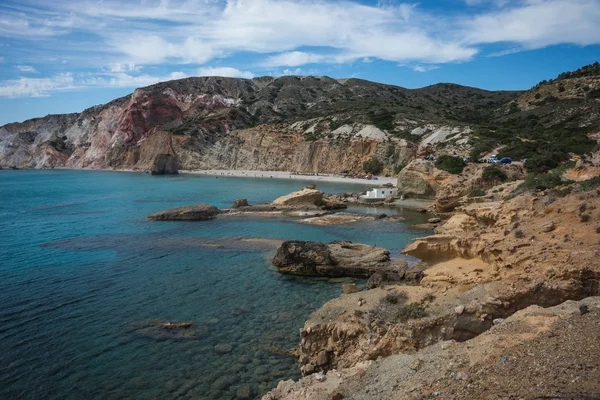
290, 175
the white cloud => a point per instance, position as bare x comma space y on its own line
40, 87
27, 68
292, 59
122, 67
36, 87
128, 37
121, 79
424, 68
296, 71
538, 24
225, 71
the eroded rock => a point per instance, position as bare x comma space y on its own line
165, 164
302, 198
197, 212
336, 259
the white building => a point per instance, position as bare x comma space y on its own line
378, 194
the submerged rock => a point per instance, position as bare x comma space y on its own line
164, 330
197, 212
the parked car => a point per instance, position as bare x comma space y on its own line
506, 160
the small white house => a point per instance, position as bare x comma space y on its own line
378, 194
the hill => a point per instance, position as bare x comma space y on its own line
309, 124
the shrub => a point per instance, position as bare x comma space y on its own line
519, 234
311, 137
398, 168
412, 311
451, 164
544, 162
584, 217
542, 181
491, 173
598, 229
373, 166
429, 297
383, 119
393, 297
476, 193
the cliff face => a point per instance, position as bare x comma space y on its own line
304, 124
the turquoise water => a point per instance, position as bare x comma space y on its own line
82, 272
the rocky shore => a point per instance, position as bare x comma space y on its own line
487, 261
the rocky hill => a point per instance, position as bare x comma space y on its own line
305, 124
311, 124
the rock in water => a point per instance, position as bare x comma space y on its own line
302, 198
198, 212
223, 348
165, 164
240, 203
337, 259
302, 258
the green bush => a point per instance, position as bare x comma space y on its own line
398, 168
544, 162
373, 166
476, 193
491, 173
311, 137
383, 119
542, 181
451, 164
412, 311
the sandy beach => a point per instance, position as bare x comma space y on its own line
289, 175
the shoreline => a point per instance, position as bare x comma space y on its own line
238, 173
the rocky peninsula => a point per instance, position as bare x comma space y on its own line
493, 265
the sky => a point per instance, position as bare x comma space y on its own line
64, 56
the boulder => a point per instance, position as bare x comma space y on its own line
434, 220
311, 186
240, 203
197, 212
302, 258
302, 198
389, 200
415, 179
549, 227
164, 164
336, 259
349, 288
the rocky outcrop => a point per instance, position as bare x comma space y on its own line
488, 261
164, 164
197, 212
302, 198
420, 179
240, 203
337, 259
517, 355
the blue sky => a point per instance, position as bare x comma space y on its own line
64, 56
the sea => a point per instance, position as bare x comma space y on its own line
88, 284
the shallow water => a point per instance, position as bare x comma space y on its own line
82, 272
